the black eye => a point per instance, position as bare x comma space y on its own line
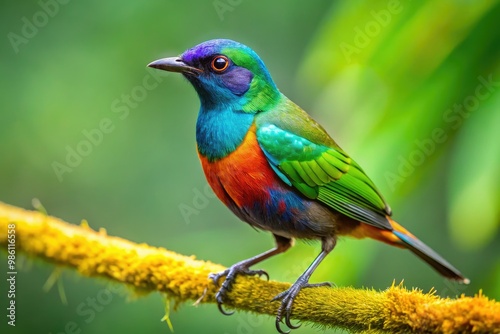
220, 64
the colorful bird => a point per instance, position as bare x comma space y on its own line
278, 170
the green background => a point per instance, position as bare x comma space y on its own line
399, 85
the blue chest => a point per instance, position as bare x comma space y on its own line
220, 131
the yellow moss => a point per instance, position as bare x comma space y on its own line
182, 278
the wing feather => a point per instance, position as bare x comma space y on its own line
324, 173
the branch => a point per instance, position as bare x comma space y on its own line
94, 253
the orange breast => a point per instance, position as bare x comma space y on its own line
243, 176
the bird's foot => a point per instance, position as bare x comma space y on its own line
230, 274
287, 298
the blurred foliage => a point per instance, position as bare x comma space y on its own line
428, 74
384, 77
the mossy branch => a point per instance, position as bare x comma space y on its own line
94, 253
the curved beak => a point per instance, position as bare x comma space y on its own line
174, 64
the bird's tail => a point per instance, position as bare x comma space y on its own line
401, 237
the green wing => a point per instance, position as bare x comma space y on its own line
324, 173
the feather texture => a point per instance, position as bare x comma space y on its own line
323, 173
275, 167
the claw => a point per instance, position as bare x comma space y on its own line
226, 286
278, 328
314, 285
287, 298
219, 297
221, 309
262, 273
289, 323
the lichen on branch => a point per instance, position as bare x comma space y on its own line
96, 254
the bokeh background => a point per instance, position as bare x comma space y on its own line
409, 88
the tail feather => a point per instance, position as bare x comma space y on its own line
401, 237
432, 258
423, 251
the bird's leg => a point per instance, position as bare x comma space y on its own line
243, 268
287, 297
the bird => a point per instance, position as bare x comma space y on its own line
278, 170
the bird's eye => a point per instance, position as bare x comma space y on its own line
220, 64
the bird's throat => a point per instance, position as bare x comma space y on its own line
220, 132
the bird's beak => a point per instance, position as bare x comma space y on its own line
174, 64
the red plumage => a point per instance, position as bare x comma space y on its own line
242, 177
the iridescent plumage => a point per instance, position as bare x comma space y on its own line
277, 169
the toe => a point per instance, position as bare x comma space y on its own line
215, 277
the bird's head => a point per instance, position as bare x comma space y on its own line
225, 73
